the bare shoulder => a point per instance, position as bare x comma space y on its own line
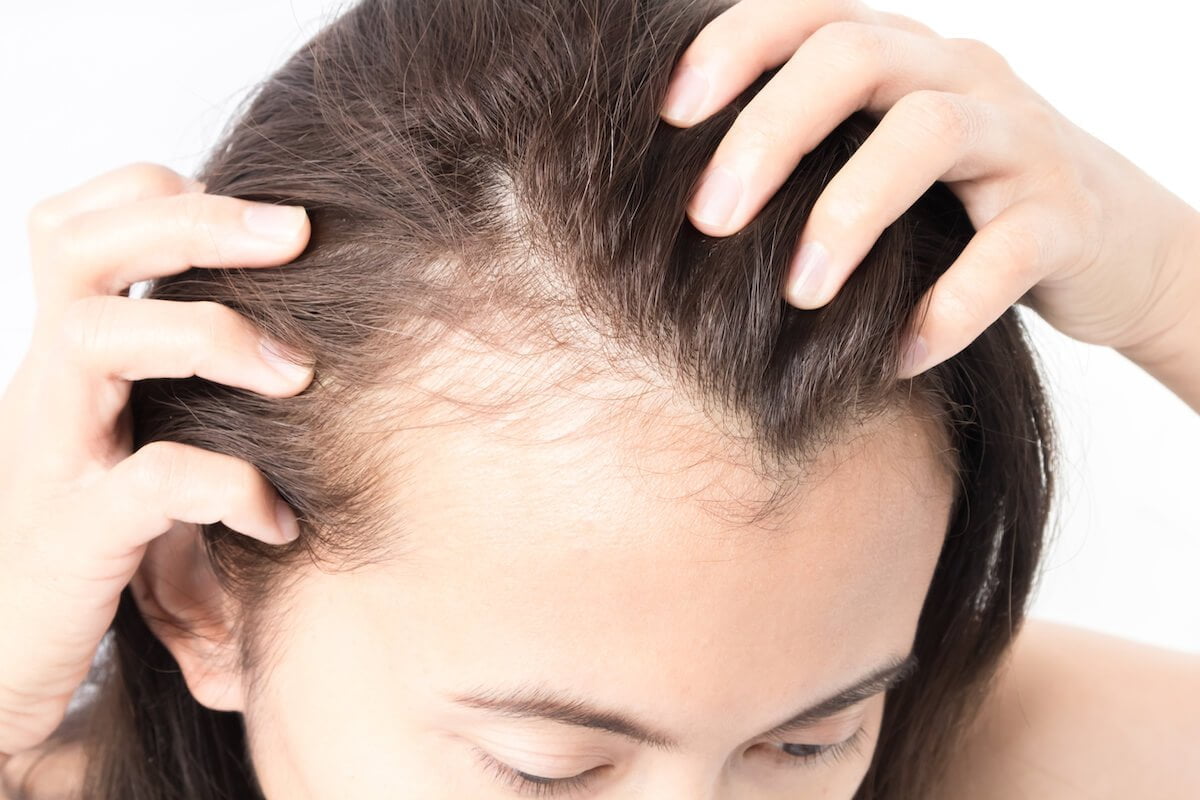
43, 774
1076, 714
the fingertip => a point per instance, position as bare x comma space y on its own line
803, 302
914, 361
689, 89
285, 518
807, 275
281, 224
296, 370
714, 204
707, 228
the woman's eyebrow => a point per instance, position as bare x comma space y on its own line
537, 702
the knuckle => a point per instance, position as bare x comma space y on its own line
216, 328
941, 114
246, 483
728, 26
44, 217
186, 217
848, 9
151, 178
844, 207
191, 213
759, 131
85, 325
1042, 117
977, 51
747, 22
67, 242
958, 309
213, 316
1020, 248
1027, 270
158, 468
1066, 183
853, 42
903, 22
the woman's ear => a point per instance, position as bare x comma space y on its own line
192, 615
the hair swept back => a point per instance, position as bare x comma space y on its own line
501, 167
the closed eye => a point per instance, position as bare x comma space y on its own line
788, 753
528, 785
792, 754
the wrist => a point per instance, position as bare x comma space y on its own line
1172, 352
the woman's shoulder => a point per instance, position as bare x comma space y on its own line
1077, 714
48, 773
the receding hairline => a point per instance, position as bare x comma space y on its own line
538, 392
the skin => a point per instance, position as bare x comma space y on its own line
1032, 739
80, 506
1066, 226
1078, 715
567, 560
1060, 216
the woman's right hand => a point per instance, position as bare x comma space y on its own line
78, 507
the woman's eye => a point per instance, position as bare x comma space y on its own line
531, 785
804, 754
805, 750
534, 785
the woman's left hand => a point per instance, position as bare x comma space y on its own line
1064, 224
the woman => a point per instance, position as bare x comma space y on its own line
586, 507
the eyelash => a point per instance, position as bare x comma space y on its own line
556, 787
545, 787
830, 753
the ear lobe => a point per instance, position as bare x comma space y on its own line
191, 614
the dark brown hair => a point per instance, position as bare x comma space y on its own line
501, 168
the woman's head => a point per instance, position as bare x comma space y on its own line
559, 441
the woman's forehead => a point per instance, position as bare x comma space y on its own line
621, 587
554, 436
600, 530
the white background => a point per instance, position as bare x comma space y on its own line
89, 86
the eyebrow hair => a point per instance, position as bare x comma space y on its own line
538, 703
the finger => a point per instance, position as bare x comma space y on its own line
747, 40
125, 184
167, 481
1001, 262
105, 251
926, 137
122, 338
105, 341
843, 67
901, 22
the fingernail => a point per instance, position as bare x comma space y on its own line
914, 358
285, 518
808, 275
284, 361
718, 196
278, 223
687, 94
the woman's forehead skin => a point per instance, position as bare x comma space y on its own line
556, 563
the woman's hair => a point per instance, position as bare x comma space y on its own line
500, 170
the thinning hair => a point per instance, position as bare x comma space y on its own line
498, 171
